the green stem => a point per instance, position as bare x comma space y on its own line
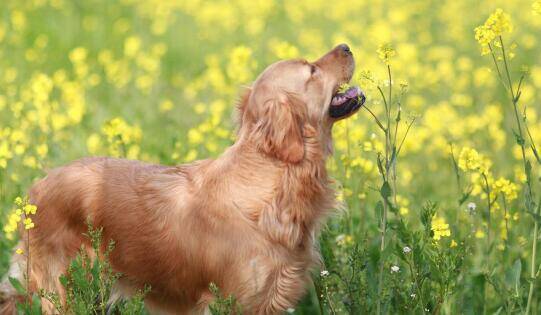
506, 220
489, 202
532, 269
514, 100
388, 174
28, 294
376, 118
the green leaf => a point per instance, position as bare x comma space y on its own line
392, 160
517, 268
519, 138
465, 196
17, 285
380, 165
512, 276
528, 169
385, 190
36, 305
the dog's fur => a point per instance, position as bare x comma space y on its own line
246, 221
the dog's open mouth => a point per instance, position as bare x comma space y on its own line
347, 102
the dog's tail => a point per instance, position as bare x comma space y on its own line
9, 297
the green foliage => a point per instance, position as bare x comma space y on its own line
222, 305
89, 282
420, 275
31, 305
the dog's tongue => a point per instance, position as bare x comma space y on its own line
341, 98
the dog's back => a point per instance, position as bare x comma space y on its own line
67, 199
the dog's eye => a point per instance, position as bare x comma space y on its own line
313, 69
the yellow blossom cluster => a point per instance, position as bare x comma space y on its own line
123, 139
23, 212
386, 53
497, 24
470, 160
505, 187
440, 228
536, 7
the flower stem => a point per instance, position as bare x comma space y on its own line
28, 295
521, 142
385, 176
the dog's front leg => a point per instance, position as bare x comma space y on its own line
284, 287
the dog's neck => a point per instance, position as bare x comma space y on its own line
301, 193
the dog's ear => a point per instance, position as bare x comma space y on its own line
278, 130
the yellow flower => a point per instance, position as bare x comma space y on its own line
496, 25
166, 106
30, 209
536, 7
506, 187
28, 224
132, 45
19, 251
386, 52
93, 143
192, 155
403, 211
42, 150
78, 55
195, 136
440, 228
344, 239
470, 160
120, 136
453, 244
480, 233
283, 49
241, 64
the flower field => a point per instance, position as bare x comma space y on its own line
439, 176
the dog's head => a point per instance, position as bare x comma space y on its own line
295, 99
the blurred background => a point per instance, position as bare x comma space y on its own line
157, 80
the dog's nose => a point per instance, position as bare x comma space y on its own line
345, 48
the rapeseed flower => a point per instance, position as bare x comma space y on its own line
536, 7
22, 213
385, 53
28, 224
440, 228
497, 24
506, 187
470, 160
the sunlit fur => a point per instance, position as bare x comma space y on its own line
246, 221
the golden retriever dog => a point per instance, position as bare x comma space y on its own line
246, 221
